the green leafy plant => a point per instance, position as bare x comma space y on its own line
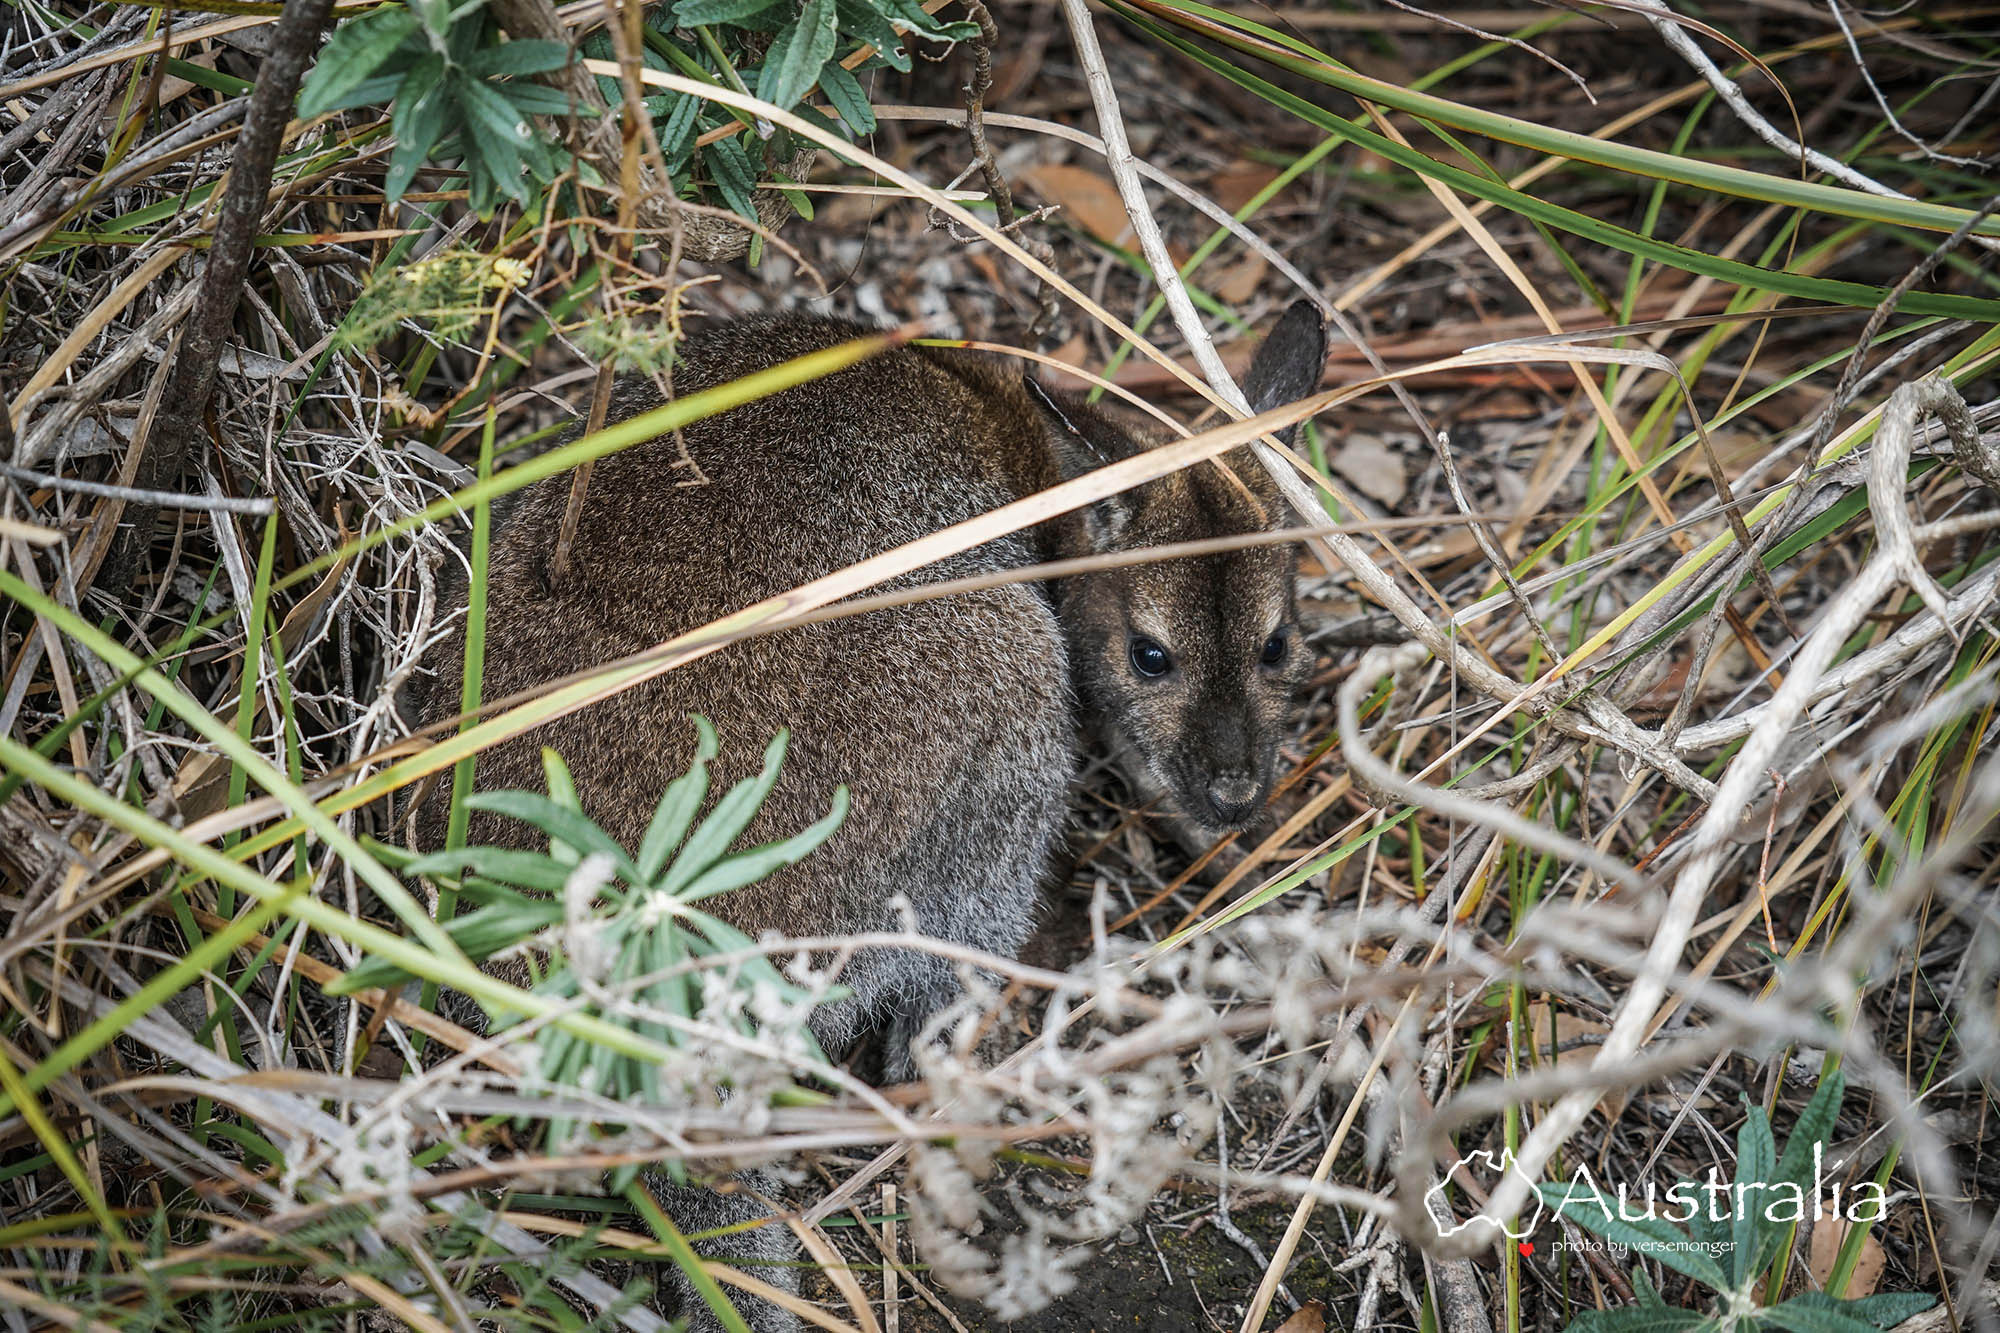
611, 921
1730, 1251
448, 74
452, 82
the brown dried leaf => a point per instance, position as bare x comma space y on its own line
1827, 1238
1239, 282
1310, 1318
1089, 200
1373, 468
1237, 184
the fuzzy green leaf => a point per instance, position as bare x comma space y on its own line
1650, 1236
1639, 1319
358, 51
734, 179
844, 93
379, 88
696, 13
1814, 1126
506, 865
556, 823
1883, 1310
795, 58
678, 804
732, 814
436, 18
531, 57
914, 16
532, 99
1752, 1230
419, 119
862, 22
489, 116
679, 131
1794, 1169
1826, 1315
747, 867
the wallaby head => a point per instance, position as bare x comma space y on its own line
1188, 666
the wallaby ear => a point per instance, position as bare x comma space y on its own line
1289, 364
1078, 452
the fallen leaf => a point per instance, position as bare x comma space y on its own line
1237, 184
1827, 1237
1310, 1318
1239, 282
1088, 200
1372, 467
1565, 1029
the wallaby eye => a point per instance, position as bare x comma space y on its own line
1274, 649
1148, 658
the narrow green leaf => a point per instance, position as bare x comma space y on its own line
1794, 1169
1788, 191
436, 18
795, 57
860, 20
1749, 276
1801, 1316
734, 179
562, 790
844, 93
211, 728
747, 867
1752, 1230
419, 119
1638, 1319
374, 90
1814, 1127
480, 934
695, 13
915, 17
532, 99
528, 57
487, 110
448, 966
1650, 1236
732, 814
357, 51
1711, 1233
678, 805
1883, 1310
678, 131
685, 1258
534, 871
557, 823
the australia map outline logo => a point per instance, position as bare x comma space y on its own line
1498, 1164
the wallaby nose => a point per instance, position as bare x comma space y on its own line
1233, 798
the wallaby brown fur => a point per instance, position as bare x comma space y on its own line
952, 721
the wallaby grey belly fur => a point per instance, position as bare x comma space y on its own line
952, 721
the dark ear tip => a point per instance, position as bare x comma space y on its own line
1303, 314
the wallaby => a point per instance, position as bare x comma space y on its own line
952, 721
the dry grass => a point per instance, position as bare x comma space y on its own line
1669, 787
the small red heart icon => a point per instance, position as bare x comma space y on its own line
1527, 1247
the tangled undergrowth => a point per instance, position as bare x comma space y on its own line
1643, 800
